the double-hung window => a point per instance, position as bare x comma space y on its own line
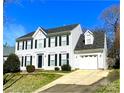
20, 45
89, 41
52, 60
64, 40
52, 41
28, 60
40, 43
28, 44
63, 59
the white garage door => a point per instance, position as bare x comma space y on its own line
88, 62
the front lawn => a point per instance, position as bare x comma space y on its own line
113, 86
27, 83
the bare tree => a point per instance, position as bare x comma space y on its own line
111, 18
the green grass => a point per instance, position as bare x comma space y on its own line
29, 82
52, 71
113, 86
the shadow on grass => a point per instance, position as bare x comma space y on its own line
12, 82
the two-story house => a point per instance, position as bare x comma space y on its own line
50, 48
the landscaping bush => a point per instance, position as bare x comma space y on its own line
12, 64
66, 67
30, 68
57, 69
117, 64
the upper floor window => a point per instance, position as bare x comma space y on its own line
20, 45
52, 41
88, 41
28, 44
40, 43
64, 40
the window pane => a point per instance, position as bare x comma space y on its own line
28, 60
52, 41
29, 44
20, 45
64, 40
40, 43
64, 59
52, 60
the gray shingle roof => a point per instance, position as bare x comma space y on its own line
61, 29
27, 36
98, 42
50, 31
8, 50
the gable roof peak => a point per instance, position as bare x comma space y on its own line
88, 32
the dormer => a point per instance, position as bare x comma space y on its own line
89, 38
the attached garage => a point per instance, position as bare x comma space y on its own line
88, 61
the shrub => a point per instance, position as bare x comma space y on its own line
117, 64
57, 69
66, 67
30, 68
12, 64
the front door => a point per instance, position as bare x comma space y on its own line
39, 61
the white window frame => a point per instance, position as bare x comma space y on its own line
89, 41
40, 43
20, 58
64, 40
64, 59
28, 44
52, 41
20, 45
28, 60
52, 60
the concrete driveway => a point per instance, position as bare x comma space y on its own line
78, 77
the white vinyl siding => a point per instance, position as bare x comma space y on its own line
52, 41
20, 45
52, 60
63, 59
64, 40
40, 43
28, 44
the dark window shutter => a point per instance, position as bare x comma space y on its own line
22, 61
17, 45
31, 43
44, 42
49, 42
25, 60
23, 45
56, 41
48, 60
67, 58
30, 60
26, 45
55, 59
59, 40
59, 59
35, 43
67, 40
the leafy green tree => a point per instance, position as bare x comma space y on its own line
12, 64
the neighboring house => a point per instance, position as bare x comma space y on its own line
7, 51
50, 48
